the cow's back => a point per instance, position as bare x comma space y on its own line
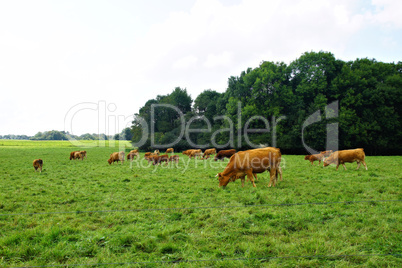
351, 155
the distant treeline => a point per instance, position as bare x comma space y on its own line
59, 135
368, 95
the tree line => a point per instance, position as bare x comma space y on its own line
61, 135
275, 101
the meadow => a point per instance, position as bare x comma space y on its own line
91, 213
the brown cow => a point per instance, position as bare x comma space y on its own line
315, 157
156, 152
131, 155
187, 152
251, 162
38, 164
84, 154
208, 152
174, 158
116, 157
346, 156
224, 153
72, 154
169, 150
149, 157
134, 151
79, 155
195, 153
160, 158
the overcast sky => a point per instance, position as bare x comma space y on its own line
88, 66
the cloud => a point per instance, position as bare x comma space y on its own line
185, 62
126, 54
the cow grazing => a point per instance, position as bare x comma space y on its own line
195, 153
84, 154
131, 155
188, 152
38, 164
174, 158
156, 152
346, 156
251, 162
208, 153
116, 157
169, 150
79, 155
134, 151
72, 155
224, 153
326, 153
149, 157
160, 158
315, 157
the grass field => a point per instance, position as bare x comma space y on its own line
89, 212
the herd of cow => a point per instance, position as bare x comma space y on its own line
241, 164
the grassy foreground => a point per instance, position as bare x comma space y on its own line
87, 212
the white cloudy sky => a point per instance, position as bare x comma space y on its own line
84, 66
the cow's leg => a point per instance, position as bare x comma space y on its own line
250, 176
358, 165
319, 162
343, 164
272, 174
279, 169
364, 163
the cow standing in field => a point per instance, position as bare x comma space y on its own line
224, 153
169, 151
72, 155
346, 156
116, 157
131, 155
38, 164
79, 155
174, 158
315, 157
156, 152
208, 153
195, 153
158, 159
250, 162
149, 156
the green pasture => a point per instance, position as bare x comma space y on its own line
89, 212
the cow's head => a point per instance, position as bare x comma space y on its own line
328, 161
223, 180
110, 161
307, 157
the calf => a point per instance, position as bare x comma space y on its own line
169, 150
224, 153
346, 156
38, 164
314, 157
